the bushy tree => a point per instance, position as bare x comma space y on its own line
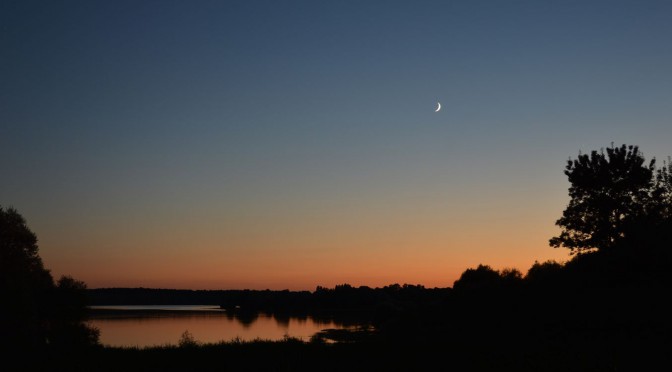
37, 313
661, 206
610, 192
24, 283
546, 273
482, 277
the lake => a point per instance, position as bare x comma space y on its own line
142, 326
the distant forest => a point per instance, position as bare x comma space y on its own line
340, 298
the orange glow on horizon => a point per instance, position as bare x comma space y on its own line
375, 244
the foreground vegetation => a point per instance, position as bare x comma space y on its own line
582, 348
606, 309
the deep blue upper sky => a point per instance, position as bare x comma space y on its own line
264, 118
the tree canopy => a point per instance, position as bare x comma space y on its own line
37, 313
611, 192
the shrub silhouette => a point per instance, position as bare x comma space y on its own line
187, 340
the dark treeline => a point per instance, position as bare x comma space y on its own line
373, 301
607, 308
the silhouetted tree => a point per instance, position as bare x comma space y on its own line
483, 277
67, 312
663, 188
511, 276
609, 192
546, 274
488, 283
660, 210
36, 313
24, 283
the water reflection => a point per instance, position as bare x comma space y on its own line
162, 325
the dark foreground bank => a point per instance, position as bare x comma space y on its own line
587, 352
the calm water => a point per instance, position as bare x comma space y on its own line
161, 325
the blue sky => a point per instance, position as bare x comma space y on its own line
152, 142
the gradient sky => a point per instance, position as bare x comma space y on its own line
291, 144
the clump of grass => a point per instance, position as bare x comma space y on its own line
187, 340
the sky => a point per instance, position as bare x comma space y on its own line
295, 144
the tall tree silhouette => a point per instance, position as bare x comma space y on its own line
24, 283
610, 192
37, 314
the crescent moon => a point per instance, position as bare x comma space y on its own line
438, 107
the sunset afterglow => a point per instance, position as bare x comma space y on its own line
290, 145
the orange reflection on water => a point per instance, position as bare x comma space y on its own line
162, 329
